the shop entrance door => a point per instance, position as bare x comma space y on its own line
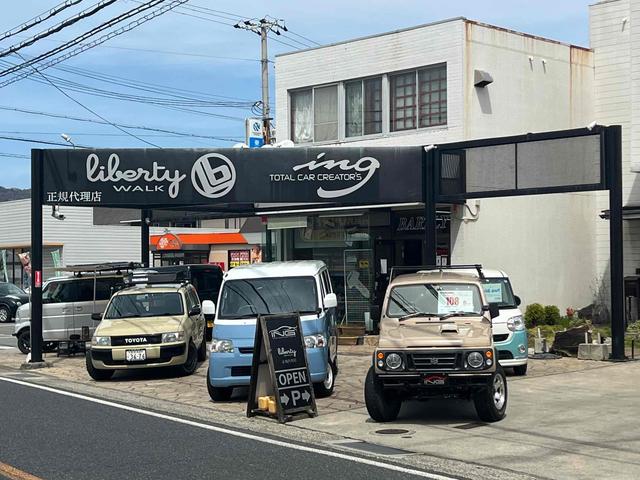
412, 252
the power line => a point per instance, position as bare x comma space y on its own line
111, 22
44, 142
90, 110
56, 28
100, 134
13, 155
89, 120
39, 19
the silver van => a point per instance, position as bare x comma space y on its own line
68, 303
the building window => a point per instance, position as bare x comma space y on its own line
363, 107
424, 108
314, 114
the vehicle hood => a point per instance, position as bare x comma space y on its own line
137, 326
243, 331
431, 332
16, 298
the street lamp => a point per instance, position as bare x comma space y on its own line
67, 139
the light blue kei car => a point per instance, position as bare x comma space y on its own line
269, 288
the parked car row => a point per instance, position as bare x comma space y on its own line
442, 332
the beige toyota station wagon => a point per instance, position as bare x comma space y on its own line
150, 324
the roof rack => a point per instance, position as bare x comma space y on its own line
149, 276
116, 267
395, 271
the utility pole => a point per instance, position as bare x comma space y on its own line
262, 27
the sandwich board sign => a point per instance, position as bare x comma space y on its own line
280, 370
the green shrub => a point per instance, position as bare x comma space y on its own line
534, 315
565, 322
551, 315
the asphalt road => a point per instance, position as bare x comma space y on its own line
49, 435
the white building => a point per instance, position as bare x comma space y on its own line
416, 87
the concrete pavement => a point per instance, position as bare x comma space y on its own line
567, 419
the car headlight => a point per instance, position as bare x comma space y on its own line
393, 361
101, 341
475, 360
221, 346
314, 341
172, 337
18, 303
515, 323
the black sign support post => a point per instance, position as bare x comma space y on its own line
145, 219
613, 142
36, 255
430, 183
280, 369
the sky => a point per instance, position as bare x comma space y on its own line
196, 48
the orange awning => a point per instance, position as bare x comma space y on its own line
204, 238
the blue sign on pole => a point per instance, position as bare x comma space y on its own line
255, 135
256, 142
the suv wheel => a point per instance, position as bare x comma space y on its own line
24, 341
95, 373
202, 350
5, 314
383, 406
520, 370
325, 389
491, 402
218, 394
188, 367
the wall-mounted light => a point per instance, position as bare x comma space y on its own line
481, 78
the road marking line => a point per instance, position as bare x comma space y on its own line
248, 436
12, 473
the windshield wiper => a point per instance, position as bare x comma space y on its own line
416, 314
455, 314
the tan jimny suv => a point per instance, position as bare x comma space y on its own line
153, 323
435, 340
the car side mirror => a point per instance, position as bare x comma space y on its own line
518, 301
96, 316
494, 310
208, 308
195, 311
330, 300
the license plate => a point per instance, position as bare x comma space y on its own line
435, 380
135, 355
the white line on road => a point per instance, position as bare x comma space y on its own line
249, 436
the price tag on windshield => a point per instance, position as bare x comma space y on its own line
493, 292
451, 301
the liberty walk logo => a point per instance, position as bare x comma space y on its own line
213, 175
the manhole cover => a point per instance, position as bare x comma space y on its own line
392, 431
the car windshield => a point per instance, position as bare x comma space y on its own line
10, 289
498, 290
145, 305
441, 299
248, 298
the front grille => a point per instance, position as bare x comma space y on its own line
439, 361
245, 350
501, 337
135, 340
505, 355
241, 371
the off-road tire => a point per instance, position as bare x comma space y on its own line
491, 404
24, 341
5, 314
218, 394
383, 406
190, 365
95, 373
325, 388
520, 370
202, 350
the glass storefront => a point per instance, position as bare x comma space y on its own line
360, 249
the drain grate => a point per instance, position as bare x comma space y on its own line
374, 448
392, 431
469, 426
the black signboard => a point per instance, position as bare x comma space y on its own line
144, 178
279, 368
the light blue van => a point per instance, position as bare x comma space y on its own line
268, 288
